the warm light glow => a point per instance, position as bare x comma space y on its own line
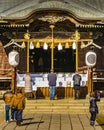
31, 46
74, 46
23, 44
51, 46
38, 45
67, 45
82, 44
45, 46
60, 47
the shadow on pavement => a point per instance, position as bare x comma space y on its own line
100, 125
29, 123
27, 119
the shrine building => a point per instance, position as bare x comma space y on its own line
53, 34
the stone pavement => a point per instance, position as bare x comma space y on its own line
52, 121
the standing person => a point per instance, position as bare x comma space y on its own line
18, 101
28, 86
52, 77
7, 97
76, 80
93, 107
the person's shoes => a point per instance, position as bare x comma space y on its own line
18, 123
11, 119
51, 98
7, 121
92, 123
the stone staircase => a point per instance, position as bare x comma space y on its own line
61, 106
58, 106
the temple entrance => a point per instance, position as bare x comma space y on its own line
40, 60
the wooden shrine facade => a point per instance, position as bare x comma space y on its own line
52, 24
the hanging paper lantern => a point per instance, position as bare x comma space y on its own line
45, 46
13, 58
60, 47
31, 46
74, 45
91, 58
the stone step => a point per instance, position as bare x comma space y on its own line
63, 105
58, 110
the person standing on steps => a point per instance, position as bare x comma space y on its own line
28, 86
18, 101
93, 108
7, 97
76, 82
52, 77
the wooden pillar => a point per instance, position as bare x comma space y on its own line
77, 56
77, 37
27, 37
52, 48
28, 56
90, 80
13, 84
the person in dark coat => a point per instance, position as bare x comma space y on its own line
93, 107
76, 82
19, 101
52, 77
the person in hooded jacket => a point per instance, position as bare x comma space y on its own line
19, 101
93, 108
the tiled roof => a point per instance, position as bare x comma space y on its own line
82, 8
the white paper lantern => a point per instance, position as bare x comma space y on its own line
13, 58
31, 46
91, 58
